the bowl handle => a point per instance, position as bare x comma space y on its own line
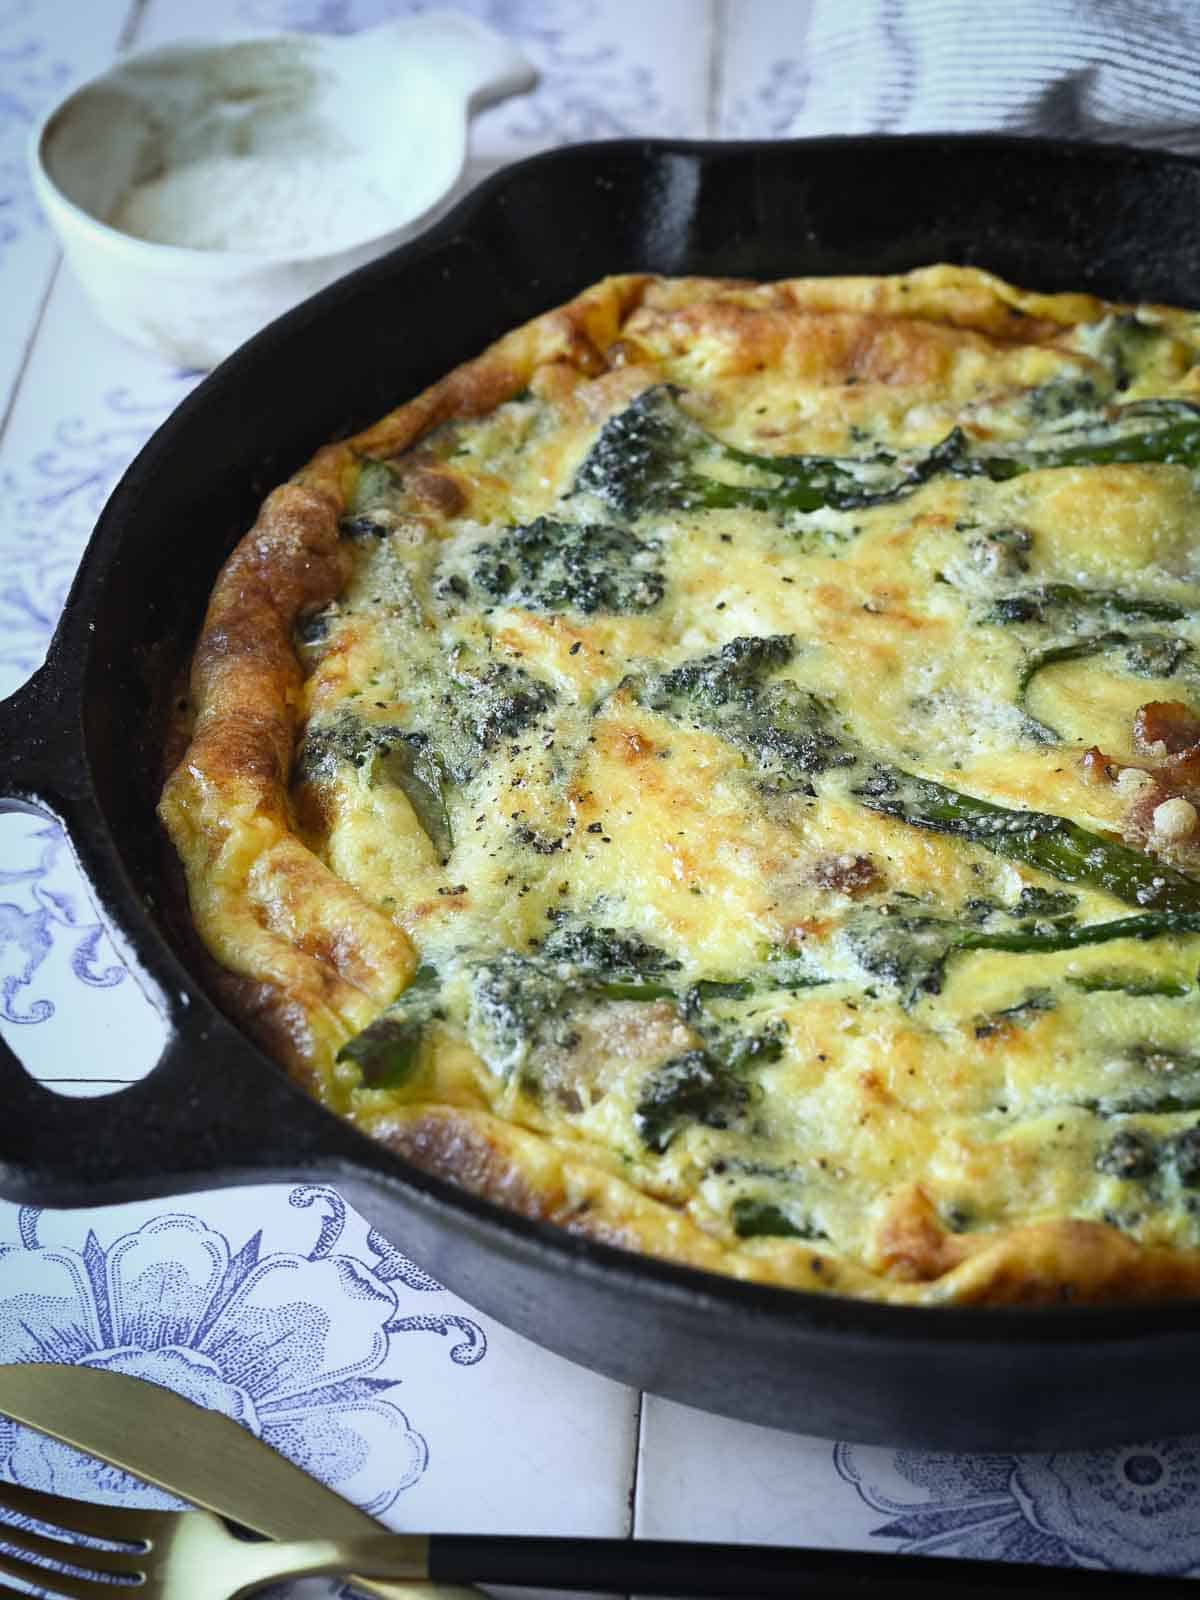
470, 58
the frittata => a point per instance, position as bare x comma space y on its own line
720, 772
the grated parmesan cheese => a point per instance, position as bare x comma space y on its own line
268, 204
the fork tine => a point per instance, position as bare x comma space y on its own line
68, 1584
118, 1524
91, 1557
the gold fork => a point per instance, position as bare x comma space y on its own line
194, 1555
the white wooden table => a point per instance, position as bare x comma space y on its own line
278, 1304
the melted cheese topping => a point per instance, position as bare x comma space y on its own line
703, 720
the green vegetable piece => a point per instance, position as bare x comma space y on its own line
341, 738
1128, 345
649, 458
521, 1002
1175, 442
1061, 397
728, 676
1034, 901
693, 1087
1049, 937
415, 767
613, 952
1051, 599
1076, 650
1131, 983
388, 1051
1155, 656
613, 989
1053, 844
1146, 655
715, 989
1026, 1011
1185, 1157
1128, 1155
1164, 1081
908, 949
517, 1003
375, 491
492, 701
388, 754
759, 1219
552, 566
782, 727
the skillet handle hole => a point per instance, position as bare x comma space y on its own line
70, 1011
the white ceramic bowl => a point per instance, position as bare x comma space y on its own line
273, 165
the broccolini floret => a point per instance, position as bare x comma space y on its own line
693, 1087
607, 952
388, 754
1046, 601
783, 727
549, 565
712, 1086
493, 700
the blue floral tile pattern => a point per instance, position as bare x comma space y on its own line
51, 503
595, 81
31, 72
52, 908
292, 1345
1133, 1508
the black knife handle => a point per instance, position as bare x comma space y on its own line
671, 1567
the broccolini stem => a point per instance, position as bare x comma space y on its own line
1131, 983
612, 989
1048, 938
647, 458
1052, 844
1176, 444
1032, 605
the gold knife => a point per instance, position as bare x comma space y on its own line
198, 1455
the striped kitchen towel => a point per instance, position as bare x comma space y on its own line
1126, 70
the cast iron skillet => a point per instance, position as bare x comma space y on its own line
81, 743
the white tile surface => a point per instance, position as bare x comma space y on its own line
708, 1477
277, 1300
762, 76
45, 45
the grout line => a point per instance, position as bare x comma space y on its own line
133, 25
128, 31
718, 26
631, 1529
35, 327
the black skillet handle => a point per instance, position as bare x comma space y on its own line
41, 751
196, 1121
213, 1111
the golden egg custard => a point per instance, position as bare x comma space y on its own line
720, 772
